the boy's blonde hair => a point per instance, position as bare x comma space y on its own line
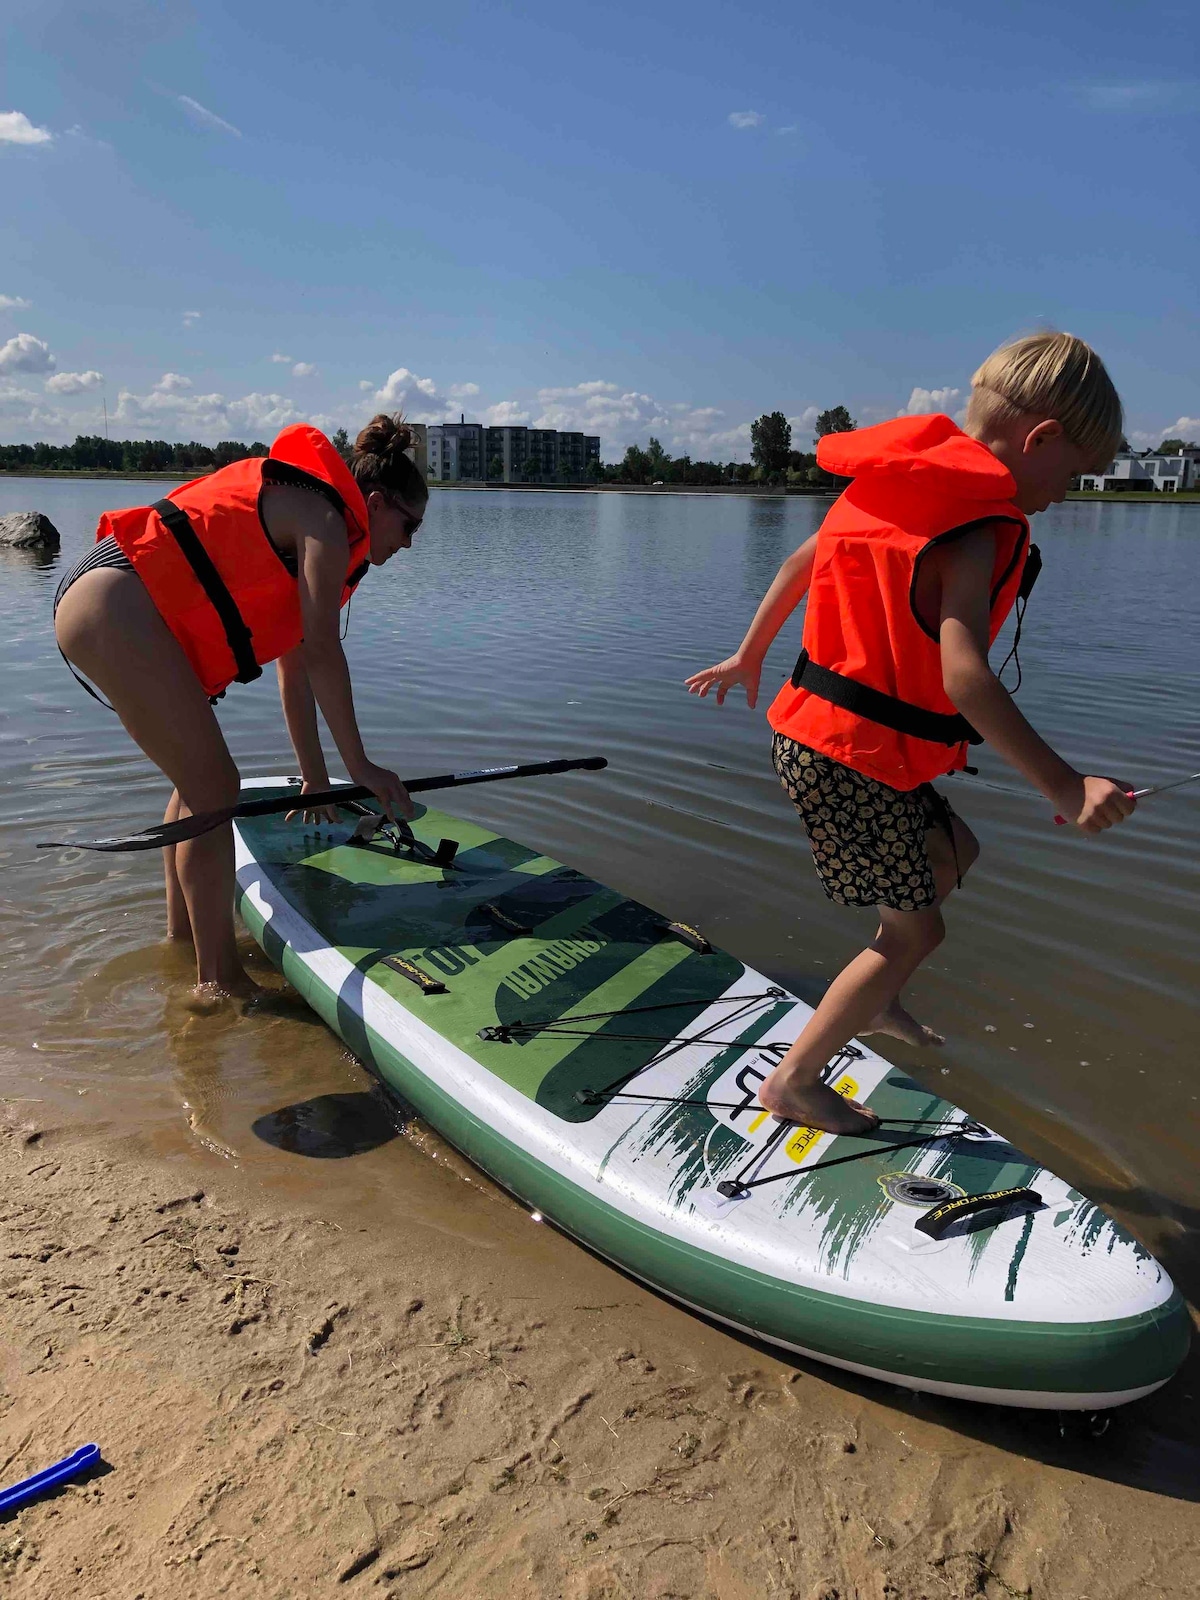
1050, 375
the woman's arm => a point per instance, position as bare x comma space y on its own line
317, 534
965, 569
300, 715
781, 599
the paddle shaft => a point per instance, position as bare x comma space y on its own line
168, 833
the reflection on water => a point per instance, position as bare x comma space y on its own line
537, 625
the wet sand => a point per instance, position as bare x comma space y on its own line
289, 1403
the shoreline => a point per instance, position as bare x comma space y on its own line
770, 491
285, 1401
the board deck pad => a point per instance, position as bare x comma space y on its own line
605, 1070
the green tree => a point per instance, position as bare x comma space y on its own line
635, 467
771, 442
836, 420
341, 442
1172, 447
659, 462
532, 470
495, 468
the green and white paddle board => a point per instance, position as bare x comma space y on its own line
603, 1069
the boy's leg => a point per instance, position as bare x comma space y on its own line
861, 992
950, 863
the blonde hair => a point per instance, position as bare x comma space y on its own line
1050, 375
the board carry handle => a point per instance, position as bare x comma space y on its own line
937, 1222
168, 833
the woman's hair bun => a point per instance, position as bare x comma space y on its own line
380, 458
385, 437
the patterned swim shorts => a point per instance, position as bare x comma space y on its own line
868, 840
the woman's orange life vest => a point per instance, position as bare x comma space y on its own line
204, 555
867, 689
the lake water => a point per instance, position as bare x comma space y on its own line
531, 625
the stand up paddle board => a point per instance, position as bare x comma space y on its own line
602, 1063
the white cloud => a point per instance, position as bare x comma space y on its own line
24, 353
173, 383
73, 382
790, 128
1146, 95
364, 384
1185, 428
304, 369
923, 401
282, 361
505, 414
420, 399
14, 302
16, 128
463, 391
746, 119
190, 318
205, 416
204, 118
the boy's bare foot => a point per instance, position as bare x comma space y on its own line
816, 1105
897, 1022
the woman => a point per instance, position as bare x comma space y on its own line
249, 565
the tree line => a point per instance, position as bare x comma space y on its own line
91, 453
773, 461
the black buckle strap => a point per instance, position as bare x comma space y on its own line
900, 715
237, 634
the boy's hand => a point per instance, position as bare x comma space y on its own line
1094, 804
725, 675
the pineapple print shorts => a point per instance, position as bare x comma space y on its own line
868, 840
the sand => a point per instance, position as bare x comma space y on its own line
291, 1405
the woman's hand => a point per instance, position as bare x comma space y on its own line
387, 789
725, 675
309, 813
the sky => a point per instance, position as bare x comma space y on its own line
631, 219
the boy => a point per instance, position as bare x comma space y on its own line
909, 580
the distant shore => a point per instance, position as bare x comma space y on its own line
775, 491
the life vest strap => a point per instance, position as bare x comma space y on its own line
237, 634
863, 701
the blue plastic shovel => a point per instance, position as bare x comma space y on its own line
61, 1472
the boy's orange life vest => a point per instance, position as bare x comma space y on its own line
867, 689
204, 555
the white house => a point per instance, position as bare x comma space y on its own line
1147, 474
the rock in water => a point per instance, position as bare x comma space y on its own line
28, 530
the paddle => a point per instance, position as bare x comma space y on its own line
165, 833
1140, 794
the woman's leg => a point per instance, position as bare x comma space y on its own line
179, 924
110, 629
861, 992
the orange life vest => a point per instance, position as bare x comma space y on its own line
204, 555
867, 689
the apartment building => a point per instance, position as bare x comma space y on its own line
468, 451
